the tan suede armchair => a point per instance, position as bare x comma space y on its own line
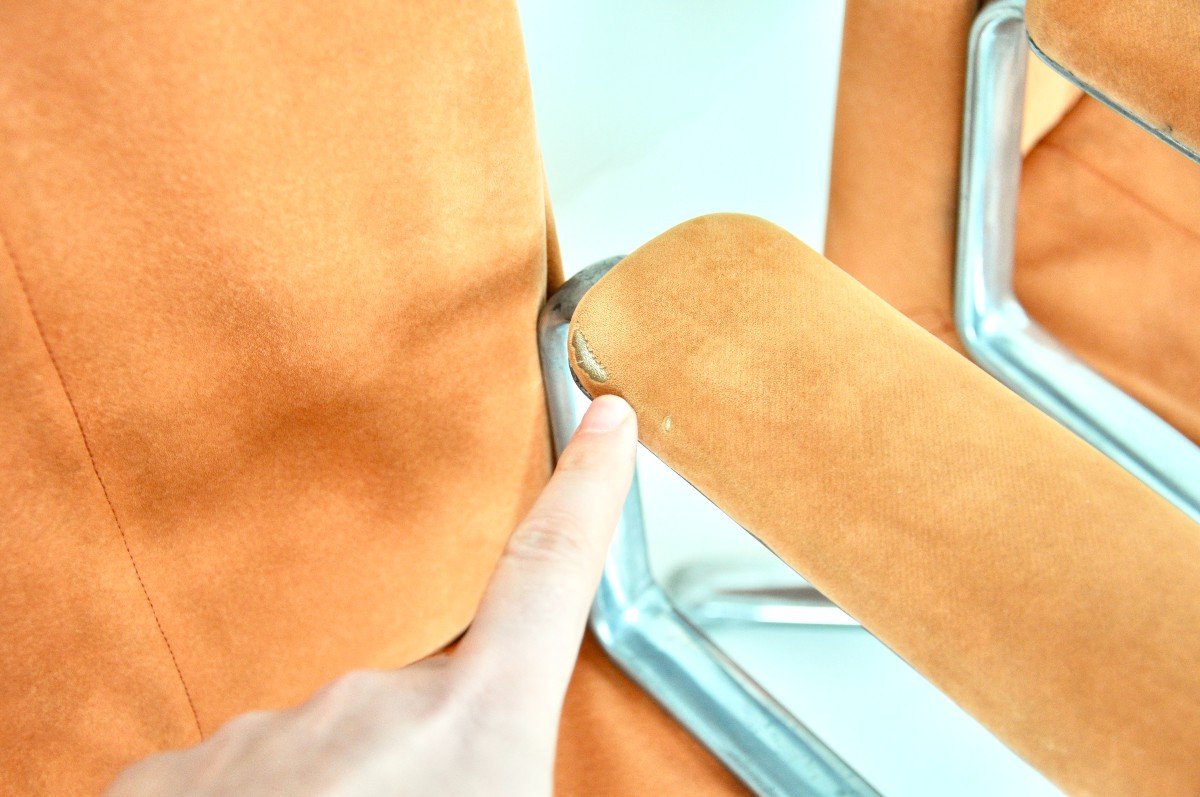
271, 397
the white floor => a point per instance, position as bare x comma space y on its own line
651, 113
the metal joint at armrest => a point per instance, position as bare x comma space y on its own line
640, 628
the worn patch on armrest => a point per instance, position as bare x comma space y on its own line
587, 361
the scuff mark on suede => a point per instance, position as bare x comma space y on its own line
587, 361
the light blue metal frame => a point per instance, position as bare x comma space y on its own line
994, 327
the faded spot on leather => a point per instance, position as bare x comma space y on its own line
587, 361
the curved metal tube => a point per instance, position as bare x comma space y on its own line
994, 327
713, 593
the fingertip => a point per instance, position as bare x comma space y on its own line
607, 413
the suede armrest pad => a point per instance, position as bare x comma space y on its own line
1043, 588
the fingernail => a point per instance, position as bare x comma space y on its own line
606, 413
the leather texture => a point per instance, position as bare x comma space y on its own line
1043, 588
256, 257
1139, 54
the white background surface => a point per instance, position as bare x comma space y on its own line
651, 113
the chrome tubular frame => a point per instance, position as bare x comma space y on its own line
995, 329
651, 639
713, 593
639, 627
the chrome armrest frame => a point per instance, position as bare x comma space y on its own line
651, 639
994, 327
636, 623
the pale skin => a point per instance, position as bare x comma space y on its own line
481, 721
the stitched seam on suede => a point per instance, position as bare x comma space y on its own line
1104, 177
87, 447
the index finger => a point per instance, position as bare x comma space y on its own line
532, 615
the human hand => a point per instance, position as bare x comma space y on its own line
482, 721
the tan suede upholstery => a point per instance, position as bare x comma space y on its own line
1046, 590
893, 197
1048, 98
1139, 54
1107, 214
1108, 242
894, 187
616, 741
255, 258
